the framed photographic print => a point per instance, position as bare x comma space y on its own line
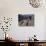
26, 19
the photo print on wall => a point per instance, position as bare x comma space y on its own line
26, 19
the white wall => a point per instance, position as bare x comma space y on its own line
12, 8
45, 28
